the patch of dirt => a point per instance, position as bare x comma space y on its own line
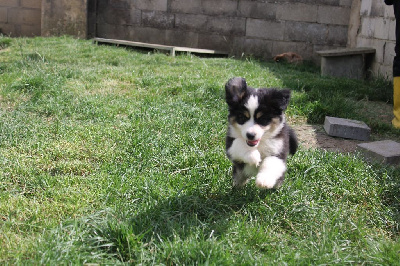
314, 136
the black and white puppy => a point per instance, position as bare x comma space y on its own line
258, 140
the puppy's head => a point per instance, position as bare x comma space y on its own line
255, 112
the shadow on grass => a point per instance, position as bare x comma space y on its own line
182, 214
190, 218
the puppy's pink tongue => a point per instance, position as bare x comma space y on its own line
252, 142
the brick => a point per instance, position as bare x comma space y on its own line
297, 12
9, 3
385, 151
346, 128
253, 9
271, 30
31, 3
154, 5
333, 15
156, 19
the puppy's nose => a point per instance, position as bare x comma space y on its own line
250, 136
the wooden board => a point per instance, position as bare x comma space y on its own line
171, 49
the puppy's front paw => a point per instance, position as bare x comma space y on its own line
264, 181
271, 173
253, 158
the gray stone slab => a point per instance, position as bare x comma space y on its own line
385, 151
347, 51
346, 128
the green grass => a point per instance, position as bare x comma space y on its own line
115, 156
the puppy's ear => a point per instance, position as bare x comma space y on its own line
282, 97
235, 90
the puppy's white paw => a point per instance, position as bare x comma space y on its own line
270, 171
253, 157
265, 182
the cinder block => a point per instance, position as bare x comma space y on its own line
261, 48
253, 9
9, 3
333, 15
31, 3
190, 21
220, 7
181, 38
297, 12
346, 128
305, 31
337, 35
269, 30
160, 20
186, 6
385, 151
24, 16
155, 5
3, 14
227, 26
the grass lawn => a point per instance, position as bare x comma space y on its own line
116, 156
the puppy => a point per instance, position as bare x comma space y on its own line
258, 140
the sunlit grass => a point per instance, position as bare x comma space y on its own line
110, 155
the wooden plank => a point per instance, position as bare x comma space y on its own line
171, 49
136, 44
347, 51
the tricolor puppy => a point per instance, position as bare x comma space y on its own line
258, 140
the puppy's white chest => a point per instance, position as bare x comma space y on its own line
270, 147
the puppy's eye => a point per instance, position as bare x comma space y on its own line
241, 118
263, 119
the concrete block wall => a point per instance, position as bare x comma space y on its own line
262, 28
65, 17
376, 28
20, 17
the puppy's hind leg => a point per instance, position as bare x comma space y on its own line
239, 175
